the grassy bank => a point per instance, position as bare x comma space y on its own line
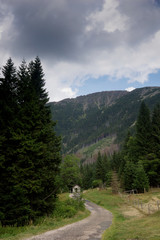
129, 222
66, 212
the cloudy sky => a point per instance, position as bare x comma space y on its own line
85, 46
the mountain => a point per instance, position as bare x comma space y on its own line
99, 121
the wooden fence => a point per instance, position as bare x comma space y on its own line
133, 199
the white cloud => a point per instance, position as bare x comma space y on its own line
130, 89
134, 64
68, 92
108, 19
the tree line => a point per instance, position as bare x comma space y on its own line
136, 166
29, 148
97, 174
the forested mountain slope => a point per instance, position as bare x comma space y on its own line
100, 118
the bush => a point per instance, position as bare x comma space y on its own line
97, 183
68, 208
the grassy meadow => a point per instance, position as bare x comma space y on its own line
130, 222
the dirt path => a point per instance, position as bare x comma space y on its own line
90, 228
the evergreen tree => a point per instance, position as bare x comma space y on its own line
131, 153
143, 131
129, 175
140, 181
106, 164
10, 194
88, 175
143, 146
156, 130
116, 161
100, 168
152, 167
42, 144
152, 161
37, 80
8, 97
33, 153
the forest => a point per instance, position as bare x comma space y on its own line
137, 165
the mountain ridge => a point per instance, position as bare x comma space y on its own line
96, 95
87, 120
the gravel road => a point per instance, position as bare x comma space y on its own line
90, 228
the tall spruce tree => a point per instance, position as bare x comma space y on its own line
30, 165
44, 146
156, 130
143, 131
140, 181
88, 175
129, 175
152, 163
11, 195
100, 168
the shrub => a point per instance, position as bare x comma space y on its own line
68, 208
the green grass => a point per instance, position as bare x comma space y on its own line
144, 227
47, 223
88, 151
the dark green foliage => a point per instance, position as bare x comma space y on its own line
156, 130
108, 178
152, 163
97, 183
68, 208
102, 167
8, 124
129, 175
140, 180
139, 161
29, 147
143, 131
96, 174
70, 172
88, 175
100, 171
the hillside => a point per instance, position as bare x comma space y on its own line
99, 121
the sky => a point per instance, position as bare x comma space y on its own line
85, 46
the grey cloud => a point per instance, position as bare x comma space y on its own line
56, 29
143, 22
49, 28
144, 18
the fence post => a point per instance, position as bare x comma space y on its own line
149, 210
135, 203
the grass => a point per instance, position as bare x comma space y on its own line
47, 223
127, 227
92, 149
